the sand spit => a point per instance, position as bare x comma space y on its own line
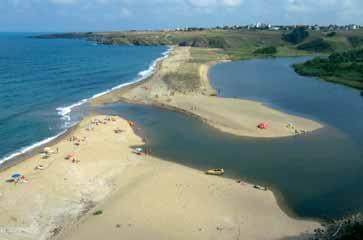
181, 83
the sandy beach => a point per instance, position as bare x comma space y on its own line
140, 197
181, 83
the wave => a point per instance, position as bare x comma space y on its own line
31, 147
64, 112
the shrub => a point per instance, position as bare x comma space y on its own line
295, 36
331, 34
267, 50
350, 228
98, 212
356, 41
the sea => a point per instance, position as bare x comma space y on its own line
45, 84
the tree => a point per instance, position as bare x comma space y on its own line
295, 36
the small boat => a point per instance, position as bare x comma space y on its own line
39, 167
262, 188
131, 123
138, 151
217, 172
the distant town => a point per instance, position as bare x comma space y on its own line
265, 26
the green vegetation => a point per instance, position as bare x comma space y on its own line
316, 45
356, 41
350, 228
345, 68
98, 212
297, 35
186, 78
239, 43
266, 50
331, 34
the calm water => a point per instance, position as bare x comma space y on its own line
42, 81
317, 175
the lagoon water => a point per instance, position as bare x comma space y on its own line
42, 81
318, 175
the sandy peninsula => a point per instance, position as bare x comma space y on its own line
181, 83
137, 196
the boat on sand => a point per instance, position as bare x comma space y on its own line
216, 171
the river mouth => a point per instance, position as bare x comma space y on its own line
276, 163
317, 175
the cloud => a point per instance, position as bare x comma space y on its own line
232, 3
38, 15
214, 3
325, 11
125, 12
64, 1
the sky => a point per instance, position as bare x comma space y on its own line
113, 15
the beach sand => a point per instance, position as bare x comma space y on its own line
64, 191
181, 83
141, 197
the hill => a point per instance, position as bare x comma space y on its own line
237, 43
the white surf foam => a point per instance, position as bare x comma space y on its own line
65, 112
28, 148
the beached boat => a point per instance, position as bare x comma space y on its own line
262, 188
217, 171
138, 151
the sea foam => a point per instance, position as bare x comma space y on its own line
65, 112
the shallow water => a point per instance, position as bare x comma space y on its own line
317, 175
41, 80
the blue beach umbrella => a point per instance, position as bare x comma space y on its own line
16, 175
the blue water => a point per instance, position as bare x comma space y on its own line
315, 175
40, 79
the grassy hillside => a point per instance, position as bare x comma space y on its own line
238, 44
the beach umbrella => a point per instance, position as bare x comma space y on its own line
47, 149
70, 156
263, 125
16, 175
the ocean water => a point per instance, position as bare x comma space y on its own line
45, 83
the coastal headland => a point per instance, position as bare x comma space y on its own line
181, 83
92, 184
